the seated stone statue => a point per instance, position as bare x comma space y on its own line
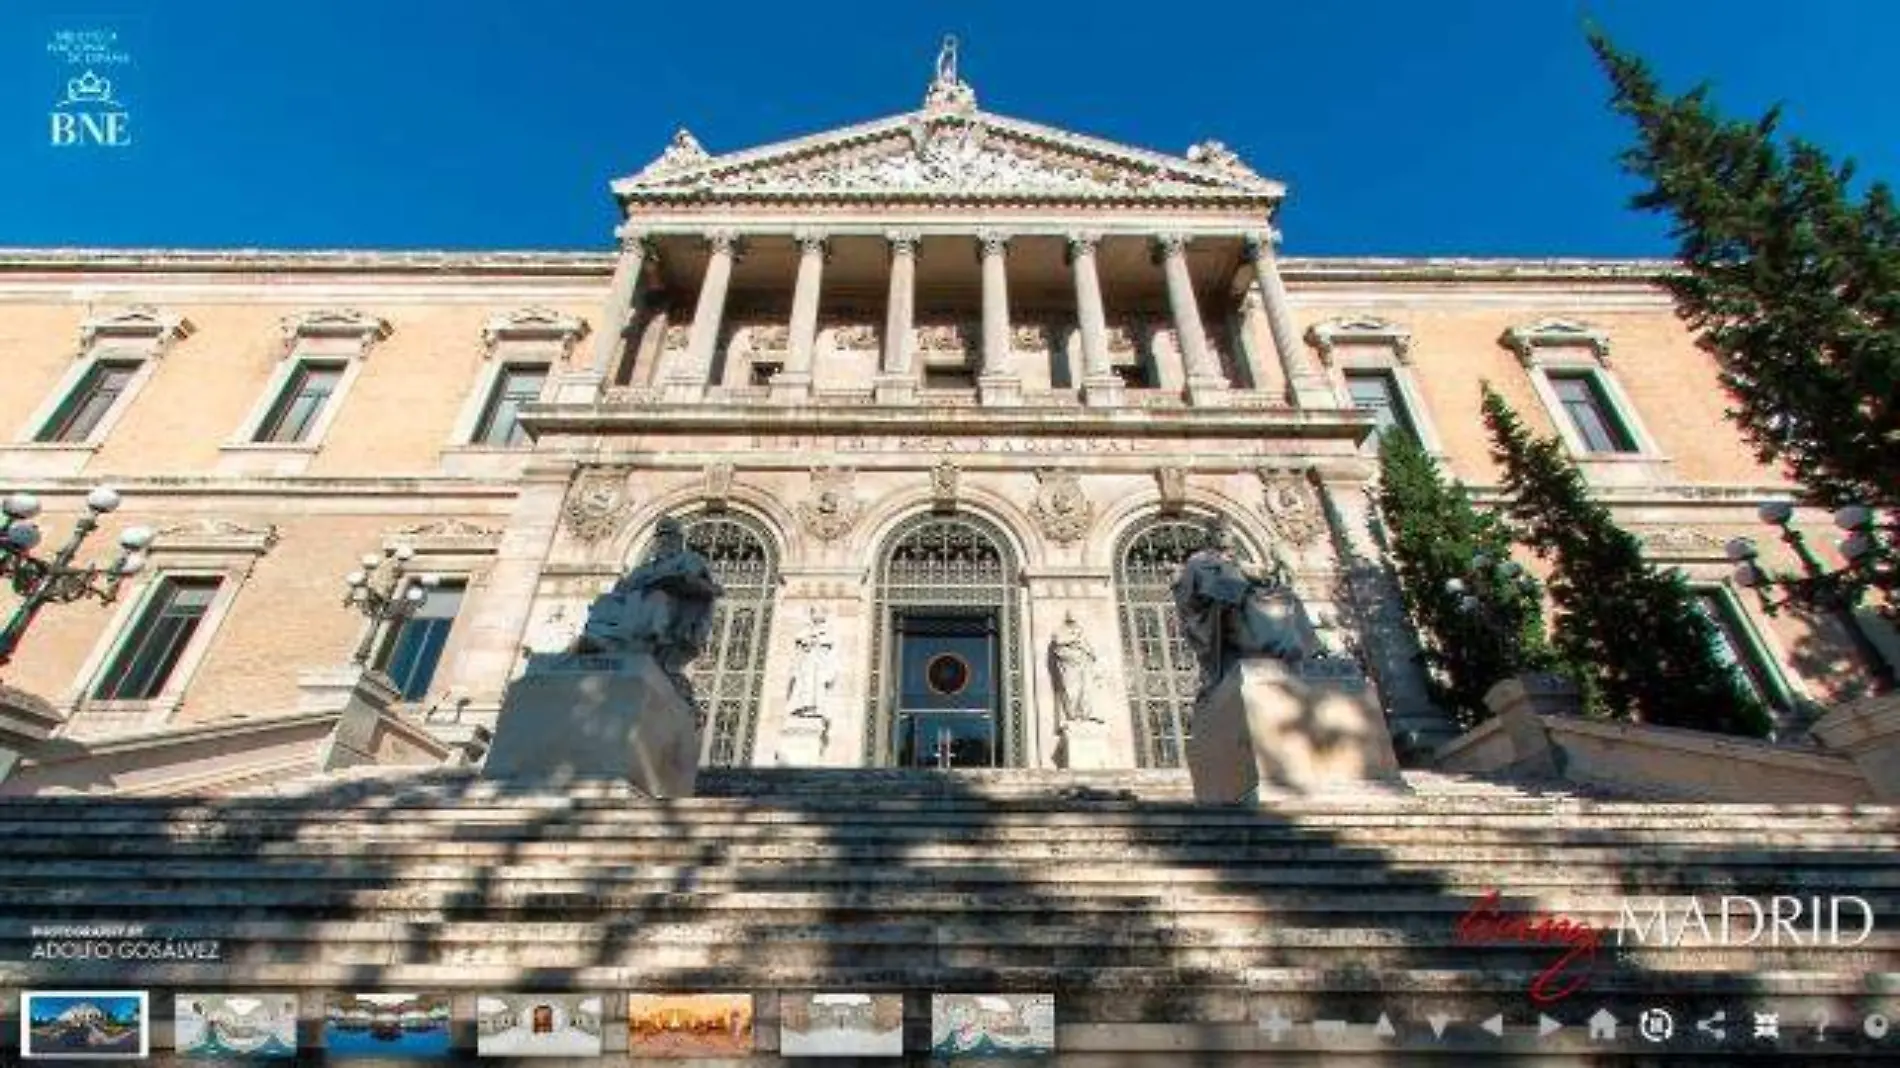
664, 607
1230, 610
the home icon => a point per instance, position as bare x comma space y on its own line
1602, 1026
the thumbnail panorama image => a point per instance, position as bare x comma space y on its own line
84, 1024
235, 1025
391, 1025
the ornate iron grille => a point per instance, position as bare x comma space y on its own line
729, 677
948, 562
1161, 670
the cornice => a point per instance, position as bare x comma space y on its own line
886, 420
590, 263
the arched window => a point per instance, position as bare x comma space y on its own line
935, 571
729, 677
1160, 667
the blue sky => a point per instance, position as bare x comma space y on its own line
1458, 127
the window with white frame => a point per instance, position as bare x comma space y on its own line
1569, 366
323, 355
143, 663
412, 649
306, 393
1737, 646
164, 629
1370, 361
1377, 394
522, 350
118, 352
516, 386
96, 394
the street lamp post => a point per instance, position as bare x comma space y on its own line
1838, 591
41, 582
383, 591
1490, 594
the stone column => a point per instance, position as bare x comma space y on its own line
997, 383
611, 340
1206, 384
794, 379
1307, 385
897, 380
1100, 387
689, 380
1263, 368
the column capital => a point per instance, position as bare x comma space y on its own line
992, 242
1170, 245
640, 241
903, 242
1259, 244
812, 240
1081, 242
725, 241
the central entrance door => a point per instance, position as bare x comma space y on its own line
947, 696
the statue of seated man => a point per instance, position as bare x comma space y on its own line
1230, 610
663, 607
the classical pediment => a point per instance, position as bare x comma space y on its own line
956, 153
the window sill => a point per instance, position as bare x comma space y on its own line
484, 460
46, 459
1624, 468
266, 457
93, 719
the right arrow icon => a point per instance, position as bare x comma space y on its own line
1547, 1026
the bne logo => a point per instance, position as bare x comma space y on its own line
89, 116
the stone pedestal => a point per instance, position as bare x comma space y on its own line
999, 390
1519, 703
1085, 746
1104, 391
1868, 733
894, 389
1305, 728
25, 722
363, 697
616, 717
801, 742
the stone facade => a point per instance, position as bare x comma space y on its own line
1042, 343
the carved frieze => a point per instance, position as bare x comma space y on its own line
598, 504
676, 337
831, 509
944, 338
854, 337
767, 337
1061, 510
533, 324
215, 535
452, 529
1292, 506
1681, 542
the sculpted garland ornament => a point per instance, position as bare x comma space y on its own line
830, 511
598, 504
1061, 509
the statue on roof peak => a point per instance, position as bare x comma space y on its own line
948, 92
684, 150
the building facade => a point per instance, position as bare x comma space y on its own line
923, 389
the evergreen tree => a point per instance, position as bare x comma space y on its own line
1479, 624
1645, 650
1788, 280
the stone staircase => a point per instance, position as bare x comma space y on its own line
1171, 933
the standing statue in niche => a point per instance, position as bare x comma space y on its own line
664, 607
1231, 610
815, 671
1072, 667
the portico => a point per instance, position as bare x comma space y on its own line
947, 378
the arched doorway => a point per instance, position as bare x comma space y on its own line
729, 677
1160, 667
946, 672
